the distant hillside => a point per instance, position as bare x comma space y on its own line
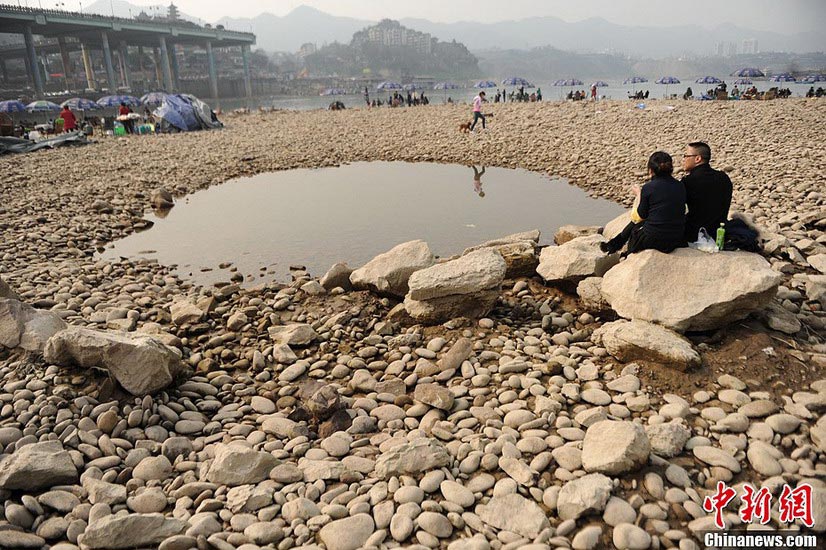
303, 24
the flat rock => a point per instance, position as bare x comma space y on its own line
643, 341
130, 531
438, 310
294, 334
238, 465
434, 395
615, 447
518, 251
37, 466
140, 364
570, 232
477, 271
414, 457
586, 494
713, 291
514, 512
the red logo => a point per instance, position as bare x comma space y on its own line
796, 504
756, 505
718, 501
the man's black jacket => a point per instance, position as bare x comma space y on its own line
708, 196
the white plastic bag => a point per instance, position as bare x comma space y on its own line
704, 242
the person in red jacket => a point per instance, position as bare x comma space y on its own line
69, 120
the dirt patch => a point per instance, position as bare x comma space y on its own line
764, 360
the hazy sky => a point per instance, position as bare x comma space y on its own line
780, 15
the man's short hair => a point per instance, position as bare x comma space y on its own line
702, 149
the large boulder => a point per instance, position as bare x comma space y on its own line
141, 364
688, 289
589, 291
337, 276
643, 341
816, 289
518, 250
464, 287
584, 495
26, 327
37, 466
7, 292
239, 465
615, 226
130, 531
575, 260
389, 272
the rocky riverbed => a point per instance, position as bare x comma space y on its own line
314, 416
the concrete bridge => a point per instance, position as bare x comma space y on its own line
64, 32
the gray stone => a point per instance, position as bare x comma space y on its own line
347, 533
586, 494
575, 260
643, 341
337, 276
238, 465
25, 327
295, 334
514, 512
667, 440
612, 447
435, 395
628, 536
37, 466
414, 457
140, 364
388, 273
130, 531
518, 251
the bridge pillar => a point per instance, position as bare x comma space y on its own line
67, 65
213, 74
34, 65
156, 59
176, 68
87, 67
44, 62
167, 70
4, 70
107, 60
123, 53
245, 54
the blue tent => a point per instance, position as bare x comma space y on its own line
668, 80
485, 84
749, 72
389, 85
635, 80
116, 100
12, 106
708, 80
812, 78
783, 77
153, 98
517, 81
186, 113
80, 104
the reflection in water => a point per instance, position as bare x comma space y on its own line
263, 224
477, 180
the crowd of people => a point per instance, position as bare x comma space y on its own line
519, 96
397, 99
670, 213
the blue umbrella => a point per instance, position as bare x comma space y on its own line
668, 80
749, 72
389, 85
334, 91
599, 84
783, 77
116, 100
708, 80
445, 86
412, 87
42, 106
812, 78
153, 98
744, 81
517, 81
635, 80
80, 104
485, 84
568, 82
12, 106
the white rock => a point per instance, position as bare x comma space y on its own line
37, 466
26, 327
575, 260
643, 341
417, 456
388, 273
586, 494
514, 513
347, 533
612, 447
294, 334
130, 531
238, 465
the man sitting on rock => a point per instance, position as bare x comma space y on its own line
658, 222
708, 192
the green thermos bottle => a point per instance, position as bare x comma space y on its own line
721, 236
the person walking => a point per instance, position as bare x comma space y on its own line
69, 120
477, 110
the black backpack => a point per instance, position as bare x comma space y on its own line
739, 236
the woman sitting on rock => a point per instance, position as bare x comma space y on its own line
658, 222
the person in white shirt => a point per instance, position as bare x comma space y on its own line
477, 110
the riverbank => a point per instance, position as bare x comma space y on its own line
522, 396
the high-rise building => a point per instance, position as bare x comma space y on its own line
750, 45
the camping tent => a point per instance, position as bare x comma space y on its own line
185, 113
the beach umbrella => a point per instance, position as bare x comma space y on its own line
568, 82
668, 81
744, 81
708, 80
783, 77
12, 106
412, 87
116, 100
749, 72
635, 80
153, 98
517, 81
80, 104
334, 91
599, 84
42, 106
445, 86
389, 85
485, 84
812, 78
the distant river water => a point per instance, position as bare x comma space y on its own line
615, 90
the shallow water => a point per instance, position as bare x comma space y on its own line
316, 217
